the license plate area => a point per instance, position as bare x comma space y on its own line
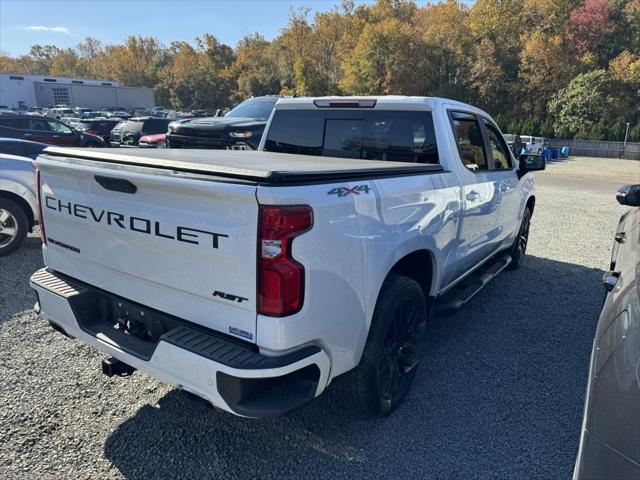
125, 325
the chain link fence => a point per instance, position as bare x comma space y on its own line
597, 148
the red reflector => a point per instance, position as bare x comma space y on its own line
43, 237
280, 277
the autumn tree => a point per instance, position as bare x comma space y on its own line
444, 30
254, 69
136, 62
544, 69
293, 49
590, 26
388, 59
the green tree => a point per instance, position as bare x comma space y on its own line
582, 103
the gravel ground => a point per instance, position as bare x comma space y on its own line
500, 393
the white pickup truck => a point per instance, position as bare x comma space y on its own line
256, 279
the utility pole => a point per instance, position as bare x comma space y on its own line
624, 144
626, 132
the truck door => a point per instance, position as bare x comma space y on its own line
504, 170
479, 231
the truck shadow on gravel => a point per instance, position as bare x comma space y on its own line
499, 395
15, 271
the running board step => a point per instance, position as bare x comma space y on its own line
455, 298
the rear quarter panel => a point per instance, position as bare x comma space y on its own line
357, 237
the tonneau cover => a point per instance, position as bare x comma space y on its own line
264, 167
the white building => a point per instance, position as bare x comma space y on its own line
20, 91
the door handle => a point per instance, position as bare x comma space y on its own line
621, 237
473, 195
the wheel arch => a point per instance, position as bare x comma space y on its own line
531, 203
419, 265
22, 203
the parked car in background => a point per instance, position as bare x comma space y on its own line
98, 126
46, 130
59, 112
18, 205
113, 112
82, 112
21, 148
515, 143
35, 111
156, 140
72, 121
240, 129
534, 144
610, 439
128, 134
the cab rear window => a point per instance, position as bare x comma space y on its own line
366, 134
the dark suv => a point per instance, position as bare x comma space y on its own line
46, 130
240, 129
100, 127
128, 133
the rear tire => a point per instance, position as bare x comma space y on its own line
13, 226
519, 247
380, 382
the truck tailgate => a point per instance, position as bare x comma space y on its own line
182, 245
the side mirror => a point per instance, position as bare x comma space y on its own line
629, 195
530, 163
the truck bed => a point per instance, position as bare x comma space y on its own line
262, 167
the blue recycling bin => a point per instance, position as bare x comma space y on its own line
546, 153
554, 153
565, 152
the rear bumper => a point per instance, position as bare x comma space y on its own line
227, 373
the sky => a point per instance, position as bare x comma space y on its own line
66, 23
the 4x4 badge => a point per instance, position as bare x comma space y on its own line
344, 191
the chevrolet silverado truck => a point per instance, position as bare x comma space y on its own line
255, 279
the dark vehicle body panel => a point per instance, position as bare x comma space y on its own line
218, 132
128, 135
99, 127
263, 167
21, 148
610, 441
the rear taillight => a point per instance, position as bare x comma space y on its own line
43, 237
280, 277
92, 132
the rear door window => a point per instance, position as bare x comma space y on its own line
499, 150
13, 122
468, 136
155, 125
39, 124
406, 136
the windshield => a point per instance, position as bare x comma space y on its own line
133, 125
364, 134
254, 108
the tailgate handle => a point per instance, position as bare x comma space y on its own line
116, 184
